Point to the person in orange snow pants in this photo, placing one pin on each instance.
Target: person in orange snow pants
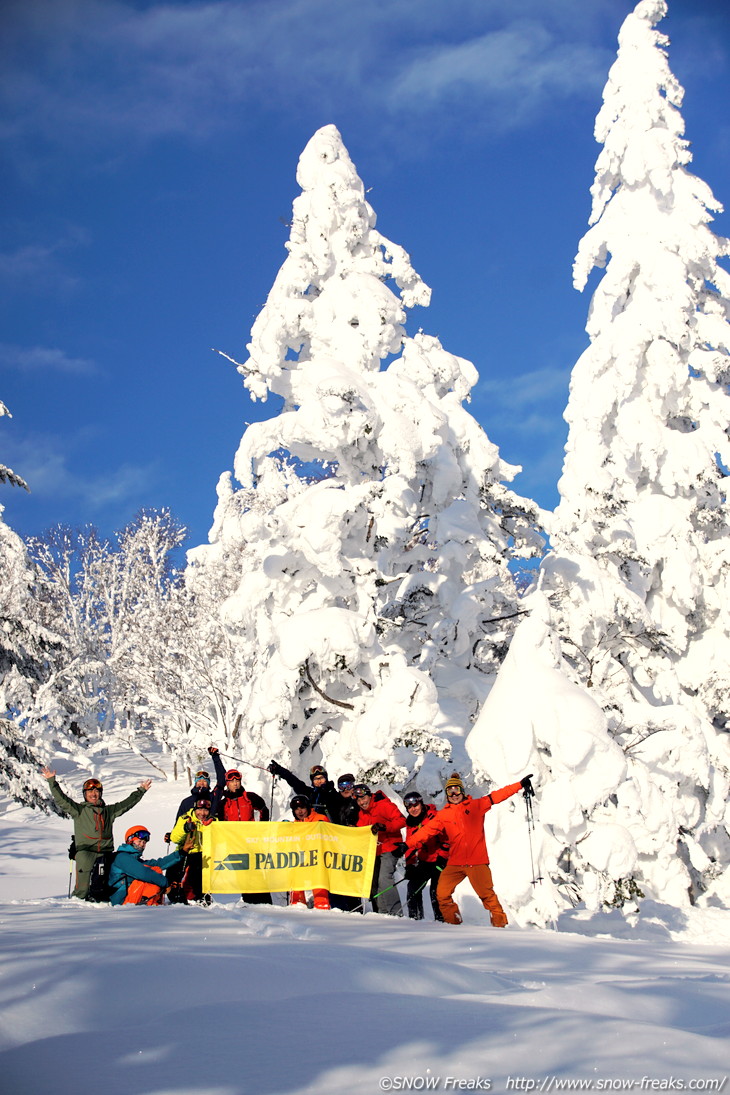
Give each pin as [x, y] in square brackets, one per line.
[461, 823]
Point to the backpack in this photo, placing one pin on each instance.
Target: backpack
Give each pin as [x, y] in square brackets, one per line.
[99, 878]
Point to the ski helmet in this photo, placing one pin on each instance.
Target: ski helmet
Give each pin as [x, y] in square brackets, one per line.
[412, 799]
[137, 830]
[202, 802]
[92, 785]
[300, 800]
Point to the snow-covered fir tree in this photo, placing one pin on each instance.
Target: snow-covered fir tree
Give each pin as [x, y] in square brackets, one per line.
[366, 550]
[25, 650]
[635, 761]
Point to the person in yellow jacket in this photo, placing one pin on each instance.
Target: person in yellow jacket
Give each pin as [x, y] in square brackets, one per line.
[192, 824]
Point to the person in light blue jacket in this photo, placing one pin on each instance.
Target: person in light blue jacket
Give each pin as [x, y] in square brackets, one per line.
[128, 868]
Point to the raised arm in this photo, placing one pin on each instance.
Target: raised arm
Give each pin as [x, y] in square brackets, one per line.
[297, 785]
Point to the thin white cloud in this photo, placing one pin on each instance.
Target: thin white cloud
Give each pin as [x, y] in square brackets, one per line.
[523, 64]
[35, 266]
[525, 390]
[110, 70]
[43, 359]
[44, 464]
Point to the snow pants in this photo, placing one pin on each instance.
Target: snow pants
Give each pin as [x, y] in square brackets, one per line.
[321, 898]
[418, 876]
[144, 893]
[345, 902]
[480, 877]
[383, 879]
[85, 861]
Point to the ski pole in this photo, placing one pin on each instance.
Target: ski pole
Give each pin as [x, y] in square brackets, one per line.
[425, 882]
[240, 761]
[529, 794]
[273, 785]
[375, 896]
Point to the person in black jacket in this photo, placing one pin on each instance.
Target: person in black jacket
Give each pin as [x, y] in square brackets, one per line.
[321, 794]
[201, 789]
[425, 866]
[338, 804]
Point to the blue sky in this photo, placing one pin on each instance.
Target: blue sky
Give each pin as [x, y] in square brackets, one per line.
[148, 170]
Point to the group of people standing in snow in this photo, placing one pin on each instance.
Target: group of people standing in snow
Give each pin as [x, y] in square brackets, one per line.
[441, 847]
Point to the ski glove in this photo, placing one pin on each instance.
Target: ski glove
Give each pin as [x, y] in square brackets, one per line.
[213, 749]
[378, 827]
[400, 849]
[274, 768]
[526, 784]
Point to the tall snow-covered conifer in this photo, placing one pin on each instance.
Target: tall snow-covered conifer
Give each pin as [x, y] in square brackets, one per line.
[24, 651]
[372, 530]
[636, 771]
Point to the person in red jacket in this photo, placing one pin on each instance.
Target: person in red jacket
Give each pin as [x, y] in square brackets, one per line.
[424, 867]
[461, 822]
[386, 820]
[301, 807]
[237, 804]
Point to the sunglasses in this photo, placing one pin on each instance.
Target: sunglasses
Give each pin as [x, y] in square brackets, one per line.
[141, 835]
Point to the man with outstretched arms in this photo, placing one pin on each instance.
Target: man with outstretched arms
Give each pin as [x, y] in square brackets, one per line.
[461, 823]
[93, 820]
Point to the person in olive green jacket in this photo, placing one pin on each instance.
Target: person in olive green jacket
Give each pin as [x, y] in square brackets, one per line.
[92, 823]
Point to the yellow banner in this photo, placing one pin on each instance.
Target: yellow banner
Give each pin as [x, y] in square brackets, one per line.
[273, 857]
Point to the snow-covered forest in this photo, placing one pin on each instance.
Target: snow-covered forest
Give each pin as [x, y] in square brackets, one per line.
[376, 596]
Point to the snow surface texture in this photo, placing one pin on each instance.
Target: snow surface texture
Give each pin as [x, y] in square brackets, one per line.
[276, 1001]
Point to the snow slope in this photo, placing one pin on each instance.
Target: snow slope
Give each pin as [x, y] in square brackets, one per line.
[238, 999]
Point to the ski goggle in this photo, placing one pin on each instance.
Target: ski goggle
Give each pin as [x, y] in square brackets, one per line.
[141, 834]
[413, 799]
[346, 786]
[92, 785]
[202, 775]
[454, 790]
[361, 790]
[233, 774]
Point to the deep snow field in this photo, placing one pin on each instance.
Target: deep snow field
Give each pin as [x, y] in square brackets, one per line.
[232, 999]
